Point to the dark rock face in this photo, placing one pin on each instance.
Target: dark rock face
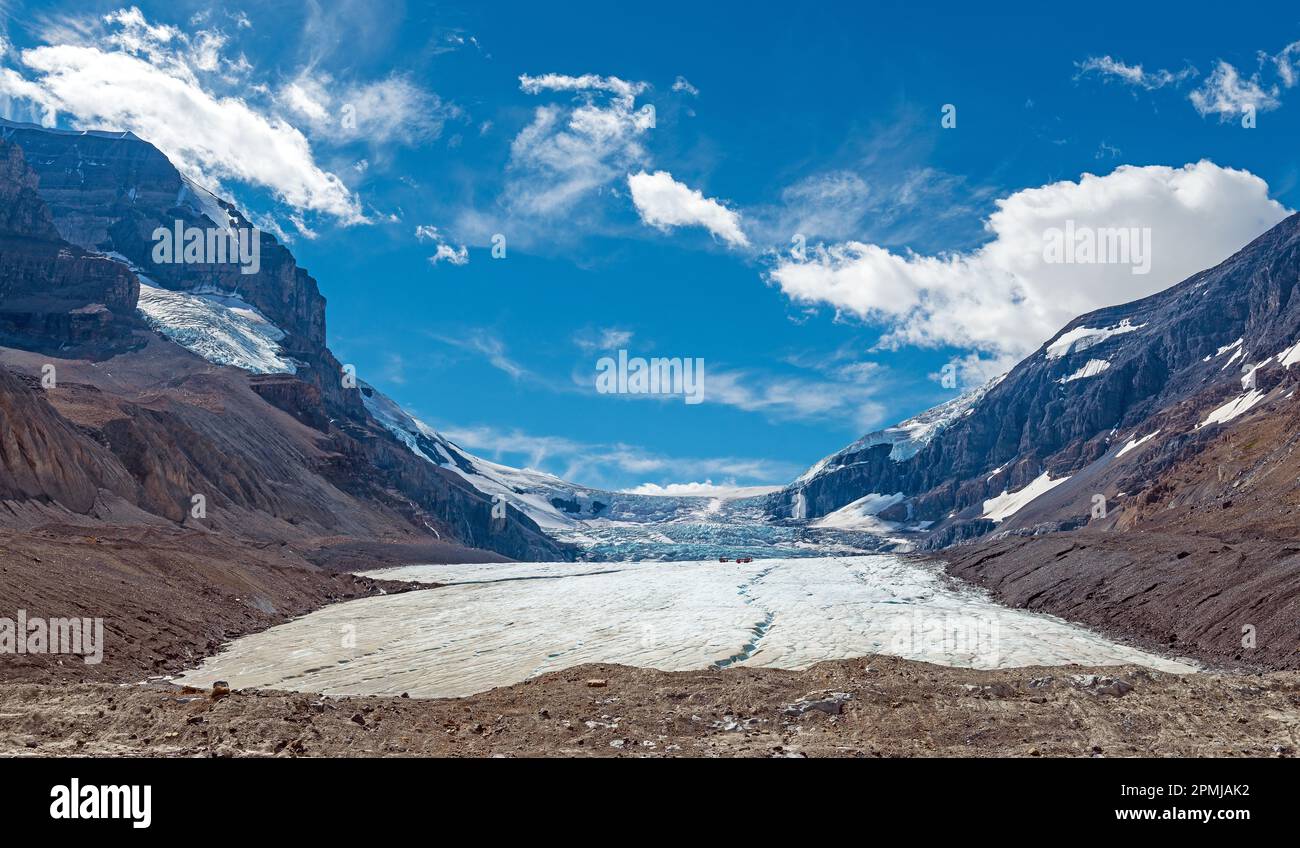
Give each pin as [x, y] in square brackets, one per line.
[55, 296]
[22, 211]
[137, 444]
[299, 399]
[1170, 358]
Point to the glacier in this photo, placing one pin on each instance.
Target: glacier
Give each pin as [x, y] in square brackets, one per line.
[625, 526]
[221, 328]
[497, 624]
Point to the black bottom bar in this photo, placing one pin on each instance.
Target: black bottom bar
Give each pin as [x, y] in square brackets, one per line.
[230, 798]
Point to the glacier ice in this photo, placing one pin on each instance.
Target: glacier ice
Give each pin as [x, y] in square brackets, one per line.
[221, 328]
[497, 624]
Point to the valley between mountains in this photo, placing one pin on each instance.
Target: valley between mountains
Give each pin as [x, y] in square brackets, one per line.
[182, 455]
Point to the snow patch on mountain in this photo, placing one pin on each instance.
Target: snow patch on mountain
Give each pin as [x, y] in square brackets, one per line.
[1221, 351]
[203, 202]
[861, 514]
[1082, 338]
[1009, 503]
[1232, 409]
[1091, 369]
[217, 325]
[1135, 443]
[1290, 356]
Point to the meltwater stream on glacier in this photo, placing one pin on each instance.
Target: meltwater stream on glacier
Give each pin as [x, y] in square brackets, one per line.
[496, 624]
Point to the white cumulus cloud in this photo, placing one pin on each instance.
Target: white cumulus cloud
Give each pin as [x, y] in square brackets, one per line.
[665, 203]
[1005, 298]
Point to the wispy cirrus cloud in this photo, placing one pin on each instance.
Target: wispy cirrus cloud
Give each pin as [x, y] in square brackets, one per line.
[1110, 69]
[566, 164]
[604, 339]
[701, 489]
[607, 465]
[1284, 63]
[488, 346]
[571, 150]
[852, 397]
[1229, 95]
[390, 110]
[880, 189]
[443, 251]
[839, 389]
[1226, 92]
[842, 388]
[683, 85]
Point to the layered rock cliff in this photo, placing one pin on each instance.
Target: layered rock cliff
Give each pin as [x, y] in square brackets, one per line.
[55, 296]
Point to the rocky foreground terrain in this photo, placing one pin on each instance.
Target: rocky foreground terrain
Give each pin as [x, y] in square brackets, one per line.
[873, 707]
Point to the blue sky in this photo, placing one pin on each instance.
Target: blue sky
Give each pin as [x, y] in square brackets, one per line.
[378, 138]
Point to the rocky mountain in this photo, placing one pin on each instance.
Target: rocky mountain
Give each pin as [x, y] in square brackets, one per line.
[109, 192]
[190, 394]
[1089, 428]
[54, 295]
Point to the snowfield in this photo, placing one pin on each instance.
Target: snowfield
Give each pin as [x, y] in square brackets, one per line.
[1135, 443]
[1082, 338]
[861, 514]
[1091, 369]
[494, 625]
[1008, 504]
[1233, 408]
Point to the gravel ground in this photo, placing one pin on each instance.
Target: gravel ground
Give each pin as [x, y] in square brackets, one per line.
[872, 707]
